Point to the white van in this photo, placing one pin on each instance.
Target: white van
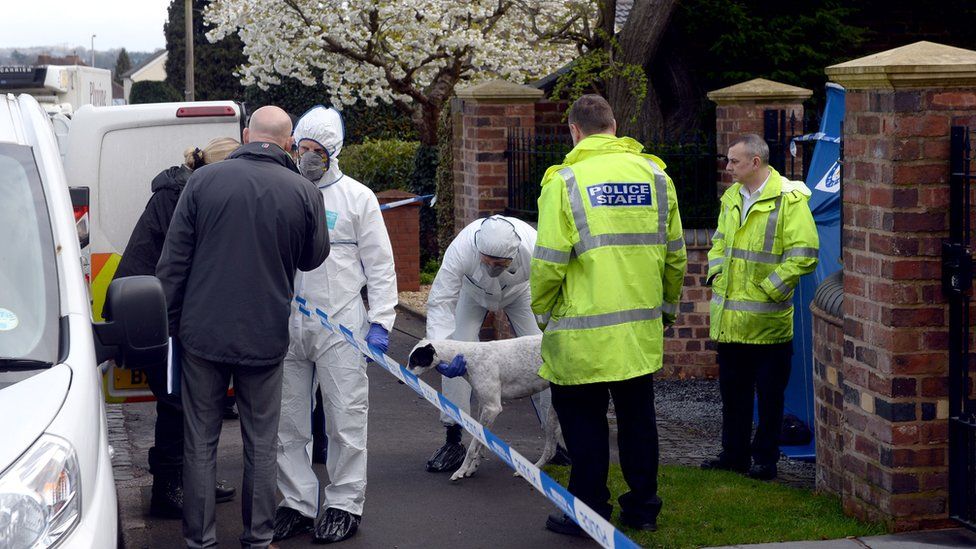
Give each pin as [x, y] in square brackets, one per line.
[56, 483]
[112, 154]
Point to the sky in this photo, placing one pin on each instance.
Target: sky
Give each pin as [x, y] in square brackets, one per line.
[136, 25]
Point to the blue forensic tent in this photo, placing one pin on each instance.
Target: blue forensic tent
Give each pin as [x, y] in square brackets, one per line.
[824, 181]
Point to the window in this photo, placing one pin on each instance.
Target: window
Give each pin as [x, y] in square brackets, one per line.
[29, 306]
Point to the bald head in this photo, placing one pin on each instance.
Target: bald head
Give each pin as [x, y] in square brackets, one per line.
[269, 124]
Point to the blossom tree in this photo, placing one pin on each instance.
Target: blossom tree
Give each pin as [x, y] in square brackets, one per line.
[411, 53]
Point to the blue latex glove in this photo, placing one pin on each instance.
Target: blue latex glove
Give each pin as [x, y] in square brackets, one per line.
[457, 367]
[378, 337]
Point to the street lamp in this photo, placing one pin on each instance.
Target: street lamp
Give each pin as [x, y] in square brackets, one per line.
[93, 50]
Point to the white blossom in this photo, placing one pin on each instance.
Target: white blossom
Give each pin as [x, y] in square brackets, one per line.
[399, 51]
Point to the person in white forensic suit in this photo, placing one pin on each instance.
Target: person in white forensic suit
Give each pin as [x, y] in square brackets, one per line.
[361, 256]
[485, 268]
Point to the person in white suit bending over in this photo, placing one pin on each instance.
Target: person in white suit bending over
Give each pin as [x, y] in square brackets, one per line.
[485, 268]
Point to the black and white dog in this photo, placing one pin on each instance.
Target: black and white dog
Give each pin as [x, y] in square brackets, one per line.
[497, 370]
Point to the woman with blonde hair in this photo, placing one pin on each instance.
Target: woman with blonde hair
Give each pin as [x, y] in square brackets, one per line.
[140, 258]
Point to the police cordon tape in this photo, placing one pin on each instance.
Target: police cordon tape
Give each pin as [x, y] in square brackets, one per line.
[405, 201]
[819, 136]
[596, 526]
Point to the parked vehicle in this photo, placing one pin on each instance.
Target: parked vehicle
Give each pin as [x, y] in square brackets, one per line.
[56, 482]
[112, 154]
[60, 89]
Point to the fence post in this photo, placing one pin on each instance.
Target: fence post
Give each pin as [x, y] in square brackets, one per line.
[487, 110]
[740, 109]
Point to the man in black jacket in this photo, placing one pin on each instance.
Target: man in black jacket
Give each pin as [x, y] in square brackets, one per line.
[241, 229]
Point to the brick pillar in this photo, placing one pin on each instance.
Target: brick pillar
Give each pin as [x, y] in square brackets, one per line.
[403, 224]
[688, 351]
[740, 109]
[900, 106]
[487, 111]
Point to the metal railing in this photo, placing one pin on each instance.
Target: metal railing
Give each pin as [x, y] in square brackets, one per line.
[691, 163]
[957, 286]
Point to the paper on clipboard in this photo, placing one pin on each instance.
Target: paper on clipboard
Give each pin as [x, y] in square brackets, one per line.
[174, 367]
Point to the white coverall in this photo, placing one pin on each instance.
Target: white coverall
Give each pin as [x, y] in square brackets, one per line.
[463, 293]
[361, 256]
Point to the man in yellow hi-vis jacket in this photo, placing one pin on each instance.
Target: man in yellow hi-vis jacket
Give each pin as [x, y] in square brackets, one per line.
[765, 241]
[606, 277]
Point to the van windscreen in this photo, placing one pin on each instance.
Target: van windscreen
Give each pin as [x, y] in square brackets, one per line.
[29, 299]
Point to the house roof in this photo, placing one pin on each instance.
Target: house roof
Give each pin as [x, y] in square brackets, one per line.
[145, 62]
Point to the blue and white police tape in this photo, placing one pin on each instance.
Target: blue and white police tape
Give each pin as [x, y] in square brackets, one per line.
[596, 526]
[819, 136]
[405, 201]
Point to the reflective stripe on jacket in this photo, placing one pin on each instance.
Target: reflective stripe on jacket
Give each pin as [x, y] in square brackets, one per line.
[754, 265]
[609, 262]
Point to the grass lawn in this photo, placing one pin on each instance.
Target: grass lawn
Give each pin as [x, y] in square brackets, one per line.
[707, 508]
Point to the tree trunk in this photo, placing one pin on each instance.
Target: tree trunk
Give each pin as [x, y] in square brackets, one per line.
[424, 118]
[639, 41]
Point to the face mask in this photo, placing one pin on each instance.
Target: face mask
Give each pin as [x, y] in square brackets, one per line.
[494, 271]
[312, 166]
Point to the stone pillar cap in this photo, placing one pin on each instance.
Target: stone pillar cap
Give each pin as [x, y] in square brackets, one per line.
[501, 91]
[760, 90]
[918, 65]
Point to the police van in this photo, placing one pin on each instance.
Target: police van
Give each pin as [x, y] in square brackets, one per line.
[56, 482]
[111, 155]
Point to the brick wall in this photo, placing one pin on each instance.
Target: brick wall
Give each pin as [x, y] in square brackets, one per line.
[486, 112]
[735, 120]
[403, 225]
[828, 383]
[688, 351]
[895, 347]
[550, 116]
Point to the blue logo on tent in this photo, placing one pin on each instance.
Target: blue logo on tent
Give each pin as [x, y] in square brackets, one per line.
[830, 182]
[619, 194]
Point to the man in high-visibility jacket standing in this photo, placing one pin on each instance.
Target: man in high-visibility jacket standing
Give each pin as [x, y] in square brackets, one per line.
[606, 277]
[765, 241]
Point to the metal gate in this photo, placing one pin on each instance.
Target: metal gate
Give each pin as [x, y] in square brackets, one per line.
[957, 285]
[779, 131]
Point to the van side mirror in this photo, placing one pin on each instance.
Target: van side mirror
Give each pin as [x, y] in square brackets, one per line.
[136, 330]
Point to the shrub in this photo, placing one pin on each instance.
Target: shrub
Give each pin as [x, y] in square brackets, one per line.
[380, 164]
[429, 271]
[150, 91]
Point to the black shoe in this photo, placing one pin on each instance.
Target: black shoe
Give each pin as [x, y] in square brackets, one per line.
[639, 523]
[719, 464]
[290, 523]
[224, 493]
[561, 457]
[762, 472]
[167, 497]
[561, 523]
[447, 458]
[335, 526]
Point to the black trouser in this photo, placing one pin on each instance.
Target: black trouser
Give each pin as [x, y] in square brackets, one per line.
[166, 455]
[582, 411]
[258, 389]
[746, 370]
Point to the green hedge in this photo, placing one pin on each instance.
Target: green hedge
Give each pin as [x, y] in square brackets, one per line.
[380, 164]
[149, 91]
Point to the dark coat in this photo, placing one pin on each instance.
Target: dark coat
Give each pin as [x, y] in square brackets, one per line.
[146, 243]
[241, 229]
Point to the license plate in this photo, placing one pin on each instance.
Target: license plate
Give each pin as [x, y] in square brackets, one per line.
[129, 379]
